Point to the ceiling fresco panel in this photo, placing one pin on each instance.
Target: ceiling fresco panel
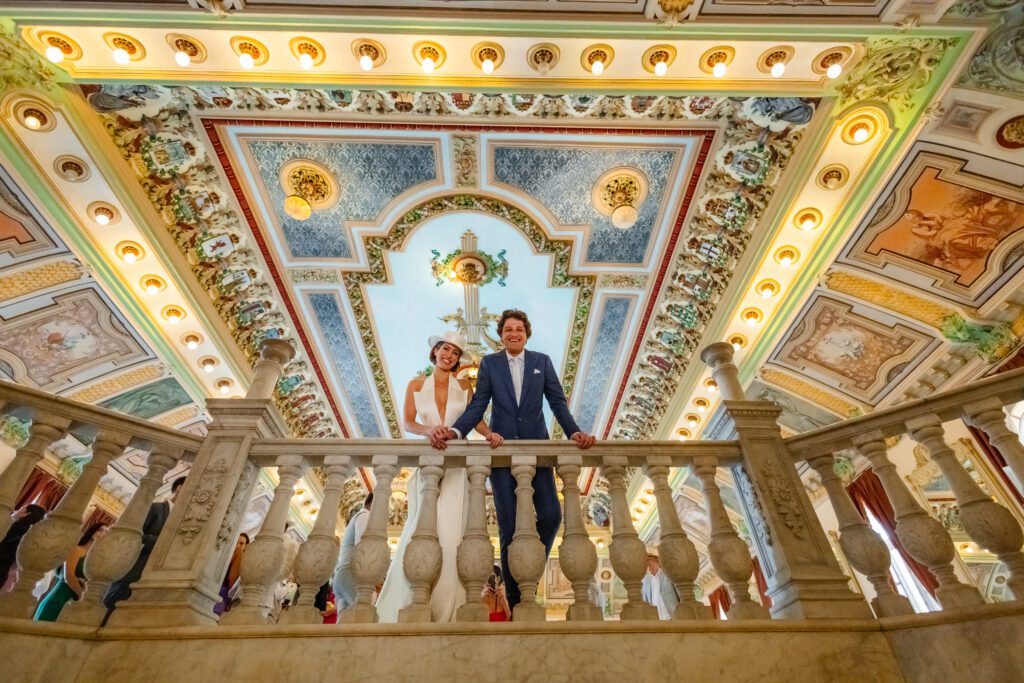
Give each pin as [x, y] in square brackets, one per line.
[23, 233]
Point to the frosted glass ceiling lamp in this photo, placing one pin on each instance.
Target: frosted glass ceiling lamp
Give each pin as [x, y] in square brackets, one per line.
[306, 61]
[597, 58]
[597, 67]
[778, 69]
[55, 54]
[192, 341]
[834, 71]
[121, 56]
[297, 207]
[246, 61]
[719, 70]
[660, 69]
[487, 66]
[366, 62]
[428, 65]
[182, 58]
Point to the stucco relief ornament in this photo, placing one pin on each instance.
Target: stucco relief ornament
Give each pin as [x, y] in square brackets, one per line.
[22, 66]
[746, 489]
[673, 11]
[894, 71]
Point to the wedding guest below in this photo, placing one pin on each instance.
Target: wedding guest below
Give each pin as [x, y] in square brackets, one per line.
[228, 590]
[70, 577]
[494, 597]
[21, 521]
[324, 601]
[656, 587]
[151, 528]
[344, 581]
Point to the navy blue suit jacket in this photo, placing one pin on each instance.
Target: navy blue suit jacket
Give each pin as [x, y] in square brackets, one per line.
[523, 421]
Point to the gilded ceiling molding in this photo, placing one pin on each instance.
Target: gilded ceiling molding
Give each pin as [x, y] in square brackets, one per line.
[377, 248]
[21, 66]
[810, 392]
[118, 384]
[40, 277]
[997, 65]
[894, 70]
[178, 415]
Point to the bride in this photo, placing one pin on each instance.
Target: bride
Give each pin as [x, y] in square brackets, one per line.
[426, 400]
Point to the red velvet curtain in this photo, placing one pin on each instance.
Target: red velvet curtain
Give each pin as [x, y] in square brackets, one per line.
[43, 489]
[868, 494]
[721, 601]
[98, 515]
[762, 584]
[998, 463]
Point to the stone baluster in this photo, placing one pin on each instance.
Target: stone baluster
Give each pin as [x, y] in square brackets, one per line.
[275, 354]
[988, 416]
[422, 561]
[577, 555]
[319, 554]
[627, 552]
[526, 553]
[372, 555]
[866, 551]
[114, 554]
[45, 430]
[261, 563]
[718, 357]
[678, 555]
[923, 536]
[988, 523]
[50, 541]
[475, 556]
[729, 555]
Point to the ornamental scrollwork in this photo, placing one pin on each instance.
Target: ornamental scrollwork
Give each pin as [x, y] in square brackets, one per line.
[893, 71]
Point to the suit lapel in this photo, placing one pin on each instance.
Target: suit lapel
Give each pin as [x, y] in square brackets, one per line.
[529, 366]
[505, 372]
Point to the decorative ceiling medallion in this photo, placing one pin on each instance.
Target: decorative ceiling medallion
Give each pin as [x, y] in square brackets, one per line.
[862, 126]
[597, 53]
[834, 55]
[618, 194]
[71, 168]
[34, 115]
[484, 52]
[780, 54]
[195, 50]
[122, 41]
[659, 54]
[833, 177]
[365, 47]
[807, 219]
[723, 54]
[786, 256]
[103, 213]
[243, 45]
[310, 181]
[307, 46]
[426, 49]
[129, 252]
[543, 57]
[1011, 134]
[68, 47]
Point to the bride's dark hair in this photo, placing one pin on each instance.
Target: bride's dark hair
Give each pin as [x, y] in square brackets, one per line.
[433, 355]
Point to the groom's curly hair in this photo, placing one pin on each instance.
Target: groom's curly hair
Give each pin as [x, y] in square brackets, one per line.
[514, 314]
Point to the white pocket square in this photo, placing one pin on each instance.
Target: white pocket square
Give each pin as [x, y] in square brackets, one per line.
[536, 371]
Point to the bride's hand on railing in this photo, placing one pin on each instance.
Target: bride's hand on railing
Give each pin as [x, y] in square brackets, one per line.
[439, 437]
[495, 439]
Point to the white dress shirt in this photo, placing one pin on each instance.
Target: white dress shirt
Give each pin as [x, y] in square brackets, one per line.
[517, 367]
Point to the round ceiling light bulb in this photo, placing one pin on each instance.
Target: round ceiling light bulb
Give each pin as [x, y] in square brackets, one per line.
[55, 54]
[711, 385]
[778, 68]
[661, 68]
[625, 216]
[719, 69]
[834, 71]
[297, 207]
[121, 56]
[488, 66]
[192, 343]
[597, 67]
[701, 408]
[246, 61]
[428, 65]
[306, 60]
[861, 133]
[366, 62]
[736, 346]
[173, 316]
[152, 287]
[129, 256]
[691, 423]
[752, 321]
[32, 122]
[102, 218]
[182, 59]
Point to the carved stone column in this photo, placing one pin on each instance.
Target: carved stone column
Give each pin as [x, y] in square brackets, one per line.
[989, 524]
[372, 556]
[678, 555]
[181, 582]
[45, 430]
[475, 557]
[718, 357]
[114, 554]
[261, 563]
[526, 553]
[867, 552]
[275, 354]
[728, 553]
[50, 541]
[988, 416]
[923, 536]
[627, 552]
[577, 555]
[319, 554]
[422, 561]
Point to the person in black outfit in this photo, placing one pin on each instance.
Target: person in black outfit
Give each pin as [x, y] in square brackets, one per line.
[22, 521]
[151, 528]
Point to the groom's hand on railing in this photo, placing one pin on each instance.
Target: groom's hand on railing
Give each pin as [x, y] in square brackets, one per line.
[439, 437]
[583, 440]
[495, 439]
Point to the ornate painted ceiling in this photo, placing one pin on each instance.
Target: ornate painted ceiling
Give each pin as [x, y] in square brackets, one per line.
[857, 239]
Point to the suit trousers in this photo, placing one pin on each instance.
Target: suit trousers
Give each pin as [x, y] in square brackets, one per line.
[549, 516]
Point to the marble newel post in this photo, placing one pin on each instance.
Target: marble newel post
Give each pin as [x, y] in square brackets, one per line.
[577, 555]
[114, 554]
[319, 554]
[526, 552]
[803, 576]
[50, 541]
[627, 551]
[182, 579]
[45, 430]
[475, 556]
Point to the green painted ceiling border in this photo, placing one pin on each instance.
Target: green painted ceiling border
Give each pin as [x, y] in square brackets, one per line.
[100, 268]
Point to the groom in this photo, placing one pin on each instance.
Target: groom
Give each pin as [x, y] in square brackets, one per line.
[516, 381]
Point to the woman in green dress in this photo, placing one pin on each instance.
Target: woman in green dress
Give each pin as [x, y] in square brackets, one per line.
[70, 577]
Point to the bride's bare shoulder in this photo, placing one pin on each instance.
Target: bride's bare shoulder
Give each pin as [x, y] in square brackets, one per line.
[416, 383]
[464, 384]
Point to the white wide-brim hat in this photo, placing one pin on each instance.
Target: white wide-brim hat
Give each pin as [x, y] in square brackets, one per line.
[451, 337]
